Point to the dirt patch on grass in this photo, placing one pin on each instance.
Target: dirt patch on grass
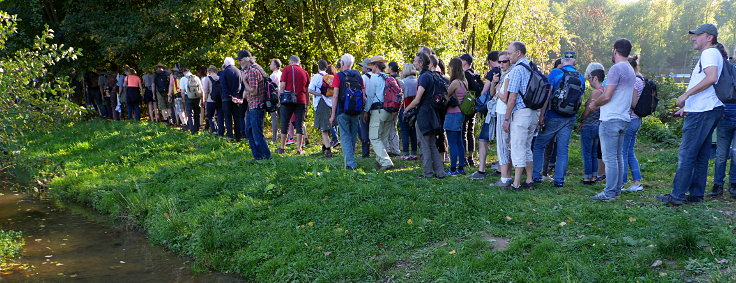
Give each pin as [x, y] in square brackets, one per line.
[498, 243]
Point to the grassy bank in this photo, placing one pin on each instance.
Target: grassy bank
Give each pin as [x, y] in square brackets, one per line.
[305, 218]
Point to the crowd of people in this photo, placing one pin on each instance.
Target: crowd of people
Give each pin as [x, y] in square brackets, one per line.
[426, 110]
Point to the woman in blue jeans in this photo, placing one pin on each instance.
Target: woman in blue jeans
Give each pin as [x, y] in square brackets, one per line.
[454, 118]
[588, 128]
[631, 132]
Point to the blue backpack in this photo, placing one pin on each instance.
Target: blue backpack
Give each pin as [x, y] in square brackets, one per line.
[480, 103]
[351, 90]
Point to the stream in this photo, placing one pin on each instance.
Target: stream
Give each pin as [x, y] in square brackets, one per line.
[70, 243]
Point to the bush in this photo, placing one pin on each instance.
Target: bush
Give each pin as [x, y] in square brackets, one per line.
[11, 243]
[656, 132]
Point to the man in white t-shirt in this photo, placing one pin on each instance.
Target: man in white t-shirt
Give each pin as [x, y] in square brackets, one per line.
[704, 110]
[615, 104]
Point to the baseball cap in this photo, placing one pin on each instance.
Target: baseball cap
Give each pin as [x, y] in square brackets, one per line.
[706, 28]
[365, 62]
[467, 58]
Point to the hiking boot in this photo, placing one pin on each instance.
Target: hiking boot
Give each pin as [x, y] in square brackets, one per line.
[478, 175]
[591, 182]
[669, 200]
[717, 191]
[693, 199]
[328, 153]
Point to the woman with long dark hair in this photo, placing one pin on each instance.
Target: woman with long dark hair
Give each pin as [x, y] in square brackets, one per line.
[454, 118]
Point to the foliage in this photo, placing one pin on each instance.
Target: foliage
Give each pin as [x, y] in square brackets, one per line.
[31, 99]
[203, 32]
[11, 244]
[305, 218]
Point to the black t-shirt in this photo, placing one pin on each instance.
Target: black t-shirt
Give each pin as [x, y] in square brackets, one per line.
[426, 80]
[473, 84]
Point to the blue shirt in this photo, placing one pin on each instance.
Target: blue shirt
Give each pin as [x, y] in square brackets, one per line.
[518, 82]
[555, 78]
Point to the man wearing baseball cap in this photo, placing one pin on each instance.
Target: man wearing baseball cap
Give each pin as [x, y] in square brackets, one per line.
[704, 110]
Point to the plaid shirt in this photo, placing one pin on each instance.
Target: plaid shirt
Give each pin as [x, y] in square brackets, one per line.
[518, 82]
[254, 79]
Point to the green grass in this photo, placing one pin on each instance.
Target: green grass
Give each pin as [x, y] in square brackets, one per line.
[305, 218]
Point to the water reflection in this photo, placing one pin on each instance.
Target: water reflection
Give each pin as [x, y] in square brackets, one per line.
[70, 244]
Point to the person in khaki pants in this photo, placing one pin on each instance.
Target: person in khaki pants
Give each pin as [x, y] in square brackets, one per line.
[379, 126]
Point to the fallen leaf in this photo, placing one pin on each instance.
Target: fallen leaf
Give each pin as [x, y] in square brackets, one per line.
[508, 218]
[663, 274]
[48, 256]
[656, 263]
[632, 219]
[73, 275]
[327, 253]
[452, 252]
[310, 223]
[409, 221]
[563, 223]
[122, 261]
[38, 240]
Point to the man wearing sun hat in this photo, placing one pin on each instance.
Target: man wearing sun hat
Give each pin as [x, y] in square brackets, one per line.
[380, 119]
[558, 125]
[704, 110]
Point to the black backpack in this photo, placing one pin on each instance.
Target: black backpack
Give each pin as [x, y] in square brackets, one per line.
[475, 82]
[271, 103]
[538, 89]
[648, 100]
[568, 97]
[216, 93]
[439, 96]
[725, 87]
[351, 92]
[162, 82]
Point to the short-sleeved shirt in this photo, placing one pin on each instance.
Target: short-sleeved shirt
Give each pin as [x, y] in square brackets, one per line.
[341, 89]
[315, 85]
[133, 80]
[705, 100]
[519, 81]
[492, 72]
[254, 76]
[639, 88]
[375, 89]
[297, 84]
[410, 86]
[555, 79]
[148, 80]
[276, 76]
[426, 80]
[622, 76]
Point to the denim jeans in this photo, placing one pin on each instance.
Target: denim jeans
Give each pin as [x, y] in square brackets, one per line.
[612, 133]
[692, 159]
[561, 129]
[724, 147]
[589, 147]
[233, 119]
[408, 136]
[193, 109]
[349, 128]
[630, 160]
[214, 117]
[457, 148]
[254, 133]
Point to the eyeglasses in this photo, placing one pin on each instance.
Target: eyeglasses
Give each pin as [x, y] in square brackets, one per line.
[504, 61]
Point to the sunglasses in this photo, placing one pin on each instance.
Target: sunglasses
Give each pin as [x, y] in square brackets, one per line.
[504, 61]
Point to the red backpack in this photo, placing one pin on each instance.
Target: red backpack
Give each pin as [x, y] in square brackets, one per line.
[392, 95]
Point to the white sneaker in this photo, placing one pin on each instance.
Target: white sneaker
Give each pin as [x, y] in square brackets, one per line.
[635, 188]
